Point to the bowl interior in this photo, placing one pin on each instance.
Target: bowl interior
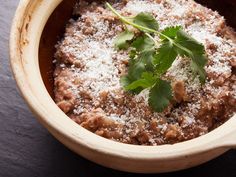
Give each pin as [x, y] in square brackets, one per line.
[51, 34]
[54, 31]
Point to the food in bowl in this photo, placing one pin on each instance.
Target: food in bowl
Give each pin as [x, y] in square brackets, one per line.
[89, 68]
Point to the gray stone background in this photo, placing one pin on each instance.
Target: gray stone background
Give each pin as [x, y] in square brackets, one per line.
[28, 150]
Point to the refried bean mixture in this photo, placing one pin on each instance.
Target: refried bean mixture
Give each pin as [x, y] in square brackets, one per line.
[89, 68]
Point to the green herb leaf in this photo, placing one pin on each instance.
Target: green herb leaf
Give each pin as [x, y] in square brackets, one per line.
[160, 95]
[143, 43]
[146, 20]
[186, 41]
[164, 58]
[147, 80]
[135, 70]
[149, 60]
[126, 81]
[137, 66]
[121, 41]
[140, 64]
[197, 64]
[189, 47]
[132, 54]
[171, 32]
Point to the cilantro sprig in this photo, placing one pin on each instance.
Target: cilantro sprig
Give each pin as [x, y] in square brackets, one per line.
[150, 58]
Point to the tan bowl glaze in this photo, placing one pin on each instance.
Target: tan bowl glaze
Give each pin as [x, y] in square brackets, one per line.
[29, 22]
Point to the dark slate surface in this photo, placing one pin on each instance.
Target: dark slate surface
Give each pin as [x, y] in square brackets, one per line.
[28, 150]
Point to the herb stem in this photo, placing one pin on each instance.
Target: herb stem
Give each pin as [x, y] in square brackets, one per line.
[142, 28]
[184, 49]
[152, 38]
[124, 19]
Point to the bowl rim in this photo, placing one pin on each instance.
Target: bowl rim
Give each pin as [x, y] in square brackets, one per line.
[28, 87]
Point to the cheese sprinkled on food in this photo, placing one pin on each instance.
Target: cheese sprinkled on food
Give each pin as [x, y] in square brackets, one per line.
[89, 68]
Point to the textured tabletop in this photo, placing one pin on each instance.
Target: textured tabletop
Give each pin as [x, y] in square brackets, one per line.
[28, 150]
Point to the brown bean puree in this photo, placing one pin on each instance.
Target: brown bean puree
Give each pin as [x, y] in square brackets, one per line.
[88, 71]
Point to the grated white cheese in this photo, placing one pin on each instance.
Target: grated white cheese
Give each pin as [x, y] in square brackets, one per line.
[101, 62]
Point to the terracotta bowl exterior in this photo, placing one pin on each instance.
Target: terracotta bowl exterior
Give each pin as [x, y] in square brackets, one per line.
[31, 53]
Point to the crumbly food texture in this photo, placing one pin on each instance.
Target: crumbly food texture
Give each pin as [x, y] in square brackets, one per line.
[88, 70]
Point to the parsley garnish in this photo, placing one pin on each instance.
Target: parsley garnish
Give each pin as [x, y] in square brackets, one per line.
[151, 58]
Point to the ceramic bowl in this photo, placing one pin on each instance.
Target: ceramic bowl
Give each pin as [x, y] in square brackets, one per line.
[31, 52]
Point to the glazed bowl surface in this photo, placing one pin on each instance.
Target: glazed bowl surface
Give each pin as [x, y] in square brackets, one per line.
[35, 30]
